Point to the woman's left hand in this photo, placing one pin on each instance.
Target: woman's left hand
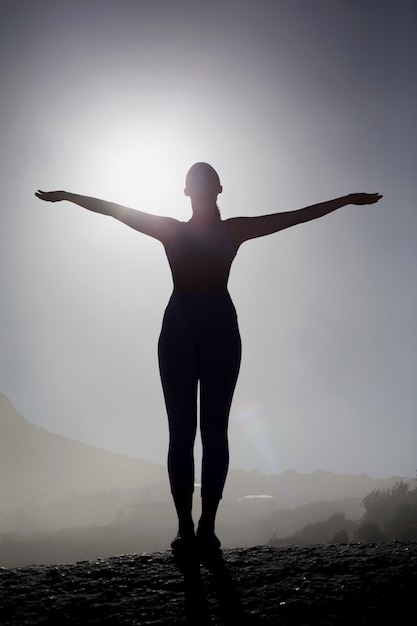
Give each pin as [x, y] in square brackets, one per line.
[364, 198]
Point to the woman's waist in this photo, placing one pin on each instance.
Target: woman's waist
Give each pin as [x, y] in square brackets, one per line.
[200, 311]
[202, 299]
[201, 286]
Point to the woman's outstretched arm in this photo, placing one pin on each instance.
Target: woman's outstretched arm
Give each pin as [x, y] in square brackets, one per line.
[147, 223]
[244, 228]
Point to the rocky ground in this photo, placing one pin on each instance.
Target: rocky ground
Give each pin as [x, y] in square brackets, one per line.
[319, 584]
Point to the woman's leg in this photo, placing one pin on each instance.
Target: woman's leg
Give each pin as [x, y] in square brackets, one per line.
[178, 369]
[219, 368]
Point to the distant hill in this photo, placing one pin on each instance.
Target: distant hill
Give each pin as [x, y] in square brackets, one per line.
[292, 489]
[36, 464]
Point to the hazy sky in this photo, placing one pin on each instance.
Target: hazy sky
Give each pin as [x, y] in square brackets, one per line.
[293, 102]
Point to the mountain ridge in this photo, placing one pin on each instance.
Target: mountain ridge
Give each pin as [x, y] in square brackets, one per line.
[35, 462]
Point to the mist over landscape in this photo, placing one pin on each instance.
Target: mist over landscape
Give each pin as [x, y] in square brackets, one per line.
[64, 501]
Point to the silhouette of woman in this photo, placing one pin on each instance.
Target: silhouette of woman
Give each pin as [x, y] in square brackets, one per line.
[199, 341]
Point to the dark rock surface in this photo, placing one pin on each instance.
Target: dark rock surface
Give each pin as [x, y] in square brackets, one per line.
[320, 584]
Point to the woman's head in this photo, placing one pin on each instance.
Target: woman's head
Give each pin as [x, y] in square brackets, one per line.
[202, 182]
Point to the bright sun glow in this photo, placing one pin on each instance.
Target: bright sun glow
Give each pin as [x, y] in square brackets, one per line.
[143, 167]
[151, 175]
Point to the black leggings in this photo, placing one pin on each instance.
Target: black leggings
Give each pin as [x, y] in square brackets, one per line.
[199, 342]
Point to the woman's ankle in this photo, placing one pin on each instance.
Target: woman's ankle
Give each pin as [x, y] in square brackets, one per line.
[206, 526]
[185, 527]
[209, 506]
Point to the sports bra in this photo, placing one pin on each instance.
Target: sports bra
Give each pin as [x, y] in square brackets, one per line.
[200, 256]
[213, 240]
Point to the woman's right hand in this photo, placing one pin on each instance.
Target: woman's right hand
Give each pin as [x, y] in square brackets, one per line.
[364, 198]
[51, 196]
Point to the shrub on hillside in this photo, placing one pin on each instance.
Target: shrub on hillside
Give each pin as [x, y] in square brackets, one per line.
[390, 514]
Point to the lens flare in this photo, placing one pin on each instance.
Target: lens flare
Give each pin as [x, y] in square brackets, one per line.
[255, 429]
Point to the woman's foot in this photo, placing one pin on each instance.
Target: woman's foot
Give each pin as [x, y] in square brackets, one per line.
[207, 539]
[184, 541]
